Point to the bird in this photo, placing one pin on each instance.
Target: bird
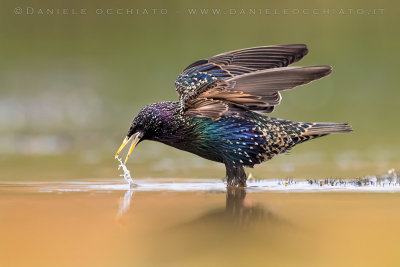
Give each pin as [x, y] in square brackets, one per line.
[223, 107]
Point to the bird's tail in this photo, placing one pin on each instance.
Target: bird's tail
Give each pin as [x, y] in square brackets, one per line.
[320, 129]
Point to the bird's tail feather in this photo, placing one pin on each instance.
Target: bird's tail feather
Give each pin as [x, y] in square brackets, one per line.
[316, 129]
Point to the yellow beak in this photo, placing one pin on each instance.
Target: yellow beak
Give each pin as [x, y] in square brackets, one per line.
[136, 138]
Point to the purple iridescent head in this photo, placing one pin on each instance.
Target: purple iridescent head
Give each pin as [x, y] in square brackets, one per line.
[150, 123]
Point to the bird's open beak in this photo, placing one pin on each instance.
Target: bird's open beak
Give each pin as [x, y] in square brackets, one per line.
[136, 138]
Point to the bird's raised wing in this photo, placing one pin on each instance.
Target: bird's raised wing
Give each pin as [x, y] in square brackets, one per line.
[234, 63]
[256, 91]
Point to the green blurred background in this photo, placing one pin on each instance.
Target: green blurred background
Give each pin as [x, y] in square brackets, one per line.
[70, 84]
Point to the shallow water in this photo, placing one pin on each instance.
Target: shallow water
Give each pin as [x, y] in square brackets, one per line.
[167, 222]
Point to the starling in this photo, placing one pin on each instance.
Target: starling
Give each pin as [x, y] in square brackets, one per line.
[222, 99]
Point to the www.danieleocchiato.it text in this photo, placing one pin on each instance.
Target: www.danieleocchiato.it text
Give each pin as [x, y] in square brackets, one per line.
[285, 11]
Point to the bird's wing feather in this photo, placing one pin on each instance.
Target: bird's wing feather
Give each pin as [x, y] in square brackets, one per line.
[234, 63]
[264, 57]
[211, 108]
[256, 91]
[260, 91]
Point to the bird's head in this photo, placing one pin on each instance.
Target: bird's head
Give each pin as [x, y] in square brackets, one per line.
[146, 125]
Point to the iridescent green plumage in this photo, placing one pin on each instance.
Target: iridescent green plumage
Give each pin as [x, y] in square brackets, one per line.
[216, 119]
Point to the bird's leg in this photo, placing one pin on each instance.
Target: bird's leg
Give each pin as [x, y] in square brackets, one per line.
[235, 175]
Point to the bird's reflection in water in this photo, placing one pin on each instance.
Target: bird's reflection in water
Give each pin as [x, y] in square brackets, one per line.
[237, 210]
[240, 225]
[241, 212]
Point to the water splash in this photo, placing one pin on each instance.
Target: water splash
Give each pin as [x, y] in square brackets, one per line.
[125, 202]
[127, 173]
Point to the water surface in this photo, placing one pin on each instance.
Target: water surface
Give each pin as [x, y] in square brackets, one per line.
[167, 222]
